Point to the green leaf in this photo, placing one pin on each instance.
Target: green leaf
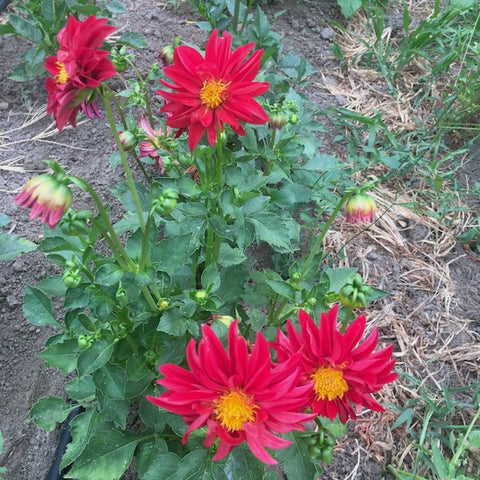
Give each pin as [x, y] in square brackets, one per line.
[173, 323]
[81, 389]
[95, 357]
[110, 380]
[271, 229]
[52, 286]
[241, 464]
[116, 7]
[12, 246]
[107, 456]
[114, 410]
[25, 29]
[133, 39]
[147, 453]
[441, 465]
[172, 254]
[338, 277]
[211, 278]
[152, 416]
[49, 411]
[229, 256]
[163, 467]
[349, 7]
[474, 439]
[48, 10]
[37, 307]
[108, 274]
[63, 355]
[282, 288]
[81, 429]
[296, 461]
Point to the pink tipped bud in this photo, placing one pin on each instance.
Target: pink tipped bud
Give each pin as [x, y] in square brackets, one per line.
[360, 208]
[47, 197]
[166, 56]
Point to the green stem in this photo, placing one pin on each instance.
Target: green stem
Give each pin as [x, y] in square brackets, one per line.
[126, 167]
[145, 91]
[236, 12]
[346, 320]
[132, 344]
[316, 247]
[244, 22]
[112, 237]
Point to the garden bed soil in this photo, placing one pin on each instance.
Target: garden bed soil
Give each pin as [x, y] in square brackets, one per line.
[416, 316]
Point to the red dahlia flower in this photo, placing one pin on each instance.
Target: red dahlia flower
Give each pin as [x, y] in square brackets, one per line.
[212, 90]
[340, 371]
[239, 397]
[78, 68]
[48, 198]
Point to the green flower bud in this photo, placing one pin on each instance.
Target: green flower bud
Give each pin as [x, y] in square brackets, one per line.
[163, 304]
[293, 120]
[315, 452]
[200, 296]
[312, 301]
[277, 121]
[84, 342]
[121, 297]
[72, 278]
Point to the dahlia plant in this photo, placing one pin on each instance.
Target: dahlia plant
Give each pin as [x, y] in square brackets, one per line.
[171, 331]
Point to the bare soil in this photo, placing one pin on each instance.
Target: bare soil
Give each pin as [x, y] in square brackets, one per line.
[27, 137]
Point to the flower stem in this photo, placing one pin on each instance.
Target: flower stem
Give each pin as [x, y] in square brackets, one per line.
[126, 167]
[112, 238]
[316, 247]
[346, 320]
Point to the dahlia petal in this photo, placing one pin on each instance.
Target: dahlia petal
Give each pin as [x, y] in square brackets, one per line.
[195, 133]
[257, 448]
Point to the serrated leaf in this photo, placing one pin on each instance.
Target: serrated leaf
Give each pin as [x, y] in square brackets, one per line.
[49, 411]
[295, 459]
[133, 39]
[108, 274]
[107, 456]
[116, 7]
[349, 7]
[52, 286]
[48, 10]
[81, 429]
[229, 256]
[282, 288]
[81, 389]
[241, 464]
[163, 467]
[63, 355]
[110, 380]
[37, 307]
[173, 323]
[25, 29]
[95, 357]
[12, 246]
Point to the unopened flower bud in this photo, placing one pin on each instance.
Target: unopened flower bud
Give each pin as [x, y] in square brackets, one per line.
[72, 278]
[277, 121]
[48, 196]
[293, 120]
[360, 208]
[128, 140]
[225, 319]
[166, 55]
[200, 296]
[163, 304]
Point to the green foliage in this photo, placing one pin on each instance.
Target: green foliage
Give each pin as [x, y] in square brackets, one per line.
[180, 254]
[442, 444]
[3, 470]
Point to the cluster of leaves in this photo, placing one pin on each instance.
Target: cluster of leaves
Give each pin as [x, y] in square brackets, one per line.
[445, 449]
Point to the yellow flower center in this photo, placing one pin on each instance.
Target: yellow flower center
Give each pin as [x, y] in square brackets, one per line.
[329, 383]
[62, 76]
[234, 408]
[214, 92]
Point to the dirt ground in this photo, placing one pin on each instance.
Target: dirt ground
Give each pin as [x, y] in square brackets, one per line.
[427, 309]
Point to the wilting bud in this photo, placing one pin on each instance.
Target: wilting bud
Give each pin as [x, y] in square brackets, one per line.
[277, 121]
[48, 197]
[360, 208]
